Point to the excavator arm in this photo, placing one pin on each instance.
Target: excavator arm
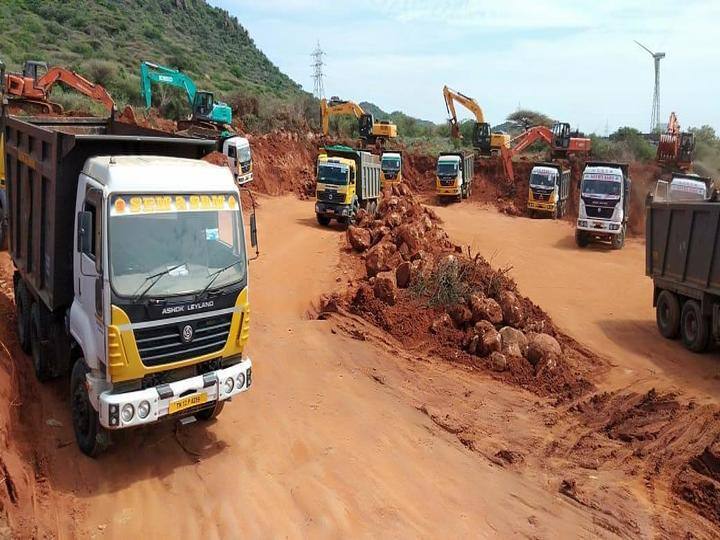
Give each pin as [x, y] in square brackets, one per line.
[338, 107]
[77, 82]
[451, 96]
[520, 143]
[153, 73]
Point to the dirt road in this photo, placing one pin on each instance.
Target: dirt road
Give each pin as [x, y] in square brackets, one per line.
[318, 447]
[599, 296]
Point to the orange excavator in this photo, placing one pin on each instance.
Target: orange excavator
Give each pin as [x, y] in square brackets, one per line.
[561, 141]
[32, 87]
[676, 149]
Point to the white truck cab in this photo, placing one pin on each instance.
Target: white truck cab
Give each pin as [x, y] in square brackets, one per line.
[604, 204]
[237, 150]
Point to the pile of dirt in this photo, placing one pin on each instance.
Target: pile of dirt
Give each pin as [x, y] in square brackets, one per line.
[429, 294]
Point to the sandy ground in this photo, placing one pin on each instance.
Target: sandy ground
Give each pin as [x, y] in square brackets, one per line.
[599, 296]
[335, 438]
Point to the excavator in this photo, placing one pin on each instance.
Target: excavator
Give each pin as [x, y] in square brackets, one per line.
[676, 149]
[32, 87]
[565, 142]
[371, 132]
[485, 142]
[207, 113]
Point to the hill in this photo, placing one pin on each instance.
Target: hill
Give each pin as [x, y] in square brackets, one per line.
[106, 40]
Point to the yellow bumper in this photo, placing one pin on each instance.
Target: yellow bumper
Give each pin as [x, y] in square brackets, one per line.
[544, 206]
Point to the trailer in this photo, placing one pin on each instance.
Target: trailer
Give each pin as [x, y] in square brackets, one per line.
[682, 256]
[130, 271]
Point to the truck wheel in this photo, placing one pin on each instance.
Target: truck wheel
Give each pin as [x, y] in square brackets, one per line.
[41, 359]
[694, 327]
[22, 315]
[211, 412]
[91, 437]
[323, 220]
[581, 239]
[618, 240]
[667, 314]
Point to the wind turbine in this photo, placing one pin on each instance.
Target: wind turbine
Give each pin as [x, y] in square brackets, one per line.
[655, 115]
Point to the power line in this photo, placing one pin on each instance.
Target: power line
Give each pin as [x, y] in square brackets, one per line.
[318, 75]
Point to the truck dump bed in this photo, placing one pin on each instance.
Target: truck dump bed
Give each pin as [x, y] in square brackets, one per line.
[44, 158]
[682, 246]
[368, 169]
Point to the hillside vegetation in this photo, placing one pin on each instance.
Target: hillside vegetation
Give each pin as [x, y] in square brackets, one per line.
[106, 40]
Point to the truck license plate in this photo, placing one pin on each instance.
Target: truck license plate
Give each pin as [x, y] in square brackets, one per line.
[187, 402]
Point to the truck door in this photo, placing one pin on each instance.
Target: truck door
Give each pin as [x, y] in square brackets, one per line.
[90, 278]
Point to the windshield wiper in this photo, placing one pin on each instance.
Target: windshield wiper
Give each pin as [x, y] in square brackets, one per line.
[215, 275]
[155, 278]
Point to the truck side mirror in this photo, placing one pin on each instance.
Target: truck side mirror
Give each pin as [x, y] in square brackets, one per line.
[85, 239]
[253, 231]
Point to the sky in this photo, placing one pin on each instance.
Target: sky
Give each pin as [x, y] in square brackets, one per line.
[575, 61]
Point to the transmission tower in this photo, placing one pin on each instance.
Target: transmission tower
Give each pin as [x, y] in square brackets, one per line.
[655, 115]
[318, 75]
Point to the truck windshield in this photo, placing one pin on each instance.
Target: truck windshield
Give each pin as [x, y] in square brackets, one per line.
[390, 164]
[608, 186]
[333, 173]
[191, 237]
[447, 168]
[244, 154]
[543, 179]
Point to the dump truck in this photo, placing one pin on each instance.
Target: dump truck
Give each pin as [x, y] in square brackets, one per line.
[454, 175]
[391, 168]
[682, 246]
[605, 190]
[348, 179]
[131, 271]
[549, 189]
[239, 156]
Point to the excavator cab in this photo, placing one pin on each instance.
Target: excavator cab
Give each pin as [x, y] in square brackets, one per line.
[34, 69]
[203, 105]
[481, 138]
[686, 153]
[561, 136]
[365, 126]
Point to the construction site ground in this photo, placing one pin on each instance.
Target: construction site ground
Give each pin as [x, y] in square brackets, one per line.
[350, 431]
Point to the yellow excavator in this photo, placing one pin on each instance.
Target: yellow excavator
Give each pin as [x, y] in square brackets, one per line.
[371, 132]
[485, 142]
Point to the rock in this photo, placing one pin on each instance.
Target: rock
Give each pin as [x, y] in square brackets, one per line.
[403, 275]
[485, 309]
[444, 321]
[379, 233]
[460, 314]
[393, 219]
[426, 223]
[541, 348]
[378, 258]
[330, 304]
[362, 217]
[490, 342]
[511, 308]
[514, 342]
[408, 234]
[497, 361]
[473, 344]
[359, 238]
[53, 423]
[483, 326]
[385, 290]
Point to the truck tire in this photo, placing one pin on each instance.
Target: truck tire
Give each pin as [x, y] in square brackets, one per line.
[694, 327]
[22, 315]
[211, 412]
[618, 240]
[323, 220]
[667, 314]
[42, 359]
[581, 239]
[91, 437]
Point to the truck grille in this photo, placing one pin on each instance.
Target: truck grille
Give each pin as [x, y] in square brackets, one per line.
[245, 167]
[540, 196]
[330, 196]
[601, 212]
[447, 182]
[164, 344]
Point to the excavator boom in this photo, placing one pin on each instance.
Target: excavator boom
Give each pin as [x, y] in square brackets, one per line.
[370, 131]
[77, 82]
[676, 149]
[484, 141]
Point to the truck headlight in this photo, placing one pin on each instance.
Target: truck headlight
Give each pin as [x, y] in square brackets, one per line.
[614, 227]
[229, 385]
[143, 410]
[127, 412]
[240, 381]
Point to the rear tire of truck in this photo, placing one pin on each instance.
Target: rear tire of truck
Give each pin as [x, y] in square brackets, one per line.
[667, 314]
[91, 437]
[581, 239]
[694, 327]
[22, 315]
[40, 354]
[323, 220]
[210, 413]
[618, 240]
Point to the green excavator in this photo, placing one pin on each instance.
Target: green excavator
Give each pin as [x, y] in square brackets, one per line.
[206, 111]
